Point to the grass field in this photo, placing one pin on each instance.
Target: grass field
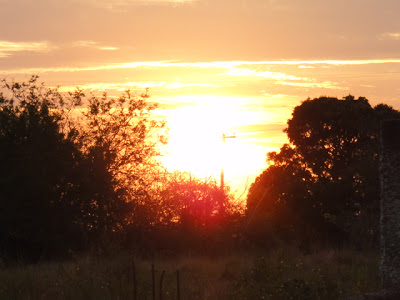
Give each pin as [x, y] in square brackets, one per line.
[284, 273]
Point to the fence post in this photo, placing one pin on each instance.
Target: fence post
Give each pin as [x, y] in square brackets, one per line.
[134, 281]
[178, 287]
[153, 282]
[161, 282]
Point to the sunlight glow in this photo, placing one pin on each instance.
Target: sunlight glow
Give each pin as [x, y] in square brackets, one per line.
[211, 64]
[195, 144]
[133, 85]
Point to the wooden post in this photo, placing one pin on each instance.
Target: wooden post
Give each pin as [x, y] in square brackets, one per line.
[224, 137]
[178, 288]
[161, 282]
[134, 281]
[153, 282]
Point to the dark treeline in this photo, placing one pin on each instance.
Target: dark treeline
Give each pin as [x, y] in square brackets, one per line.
[79, 173]
[324, 186]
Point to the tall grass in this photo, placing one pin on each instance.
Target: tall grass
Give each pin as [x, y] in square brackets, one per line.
[284, 273]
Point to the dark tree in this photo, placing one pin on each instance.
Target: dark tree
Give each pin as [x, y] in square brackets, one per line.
[38, 171]
[327, 179]
[73, 168]
[190, 208]
[199, 205]
[279, 198]
[119, 142]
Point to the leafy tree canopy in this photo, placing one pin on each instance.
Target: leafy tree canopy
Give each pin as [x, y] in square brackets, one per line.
[80, 171]
[73, 167]
[326, 180]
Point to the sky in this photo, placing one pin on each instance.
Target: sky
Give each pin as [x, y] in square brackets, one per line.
[235, 67]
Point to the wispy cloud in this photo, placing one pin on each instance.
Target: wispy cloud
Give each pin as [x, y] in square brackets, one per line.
[121, 5]
[89, 68]
[122, 86]
[93, 44]
[327, 62]
[303, 63]
[314, 84]
[284, 79]
[7, 47]
[230, 64]
[215, 64]
[390, 36]
[161, 1]
[264, 74]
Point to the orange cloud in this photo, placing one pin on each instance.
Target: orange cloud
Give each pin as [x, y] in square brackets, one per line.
[390, 36]
[213, 64]
[7, 47]
[93, 44]
[122, 86]
[265, 74]
[120, 5]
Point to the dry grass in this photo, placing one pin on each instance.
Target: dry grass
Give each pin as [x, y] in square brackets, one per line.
[284, 273]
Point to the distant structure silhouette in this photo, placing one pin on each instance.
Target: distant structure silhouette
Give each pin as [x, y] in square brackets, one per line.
[390, 213]
[224, 137]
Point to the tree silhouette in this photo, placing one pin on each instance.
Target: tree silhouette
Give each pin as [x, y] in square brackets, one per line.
[72, 167]
[326, 180]
[187, 213]
[37, 170]
[119, 142]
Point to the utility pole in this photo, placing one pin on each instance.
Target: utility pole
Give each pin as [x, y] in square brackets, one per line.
[224, 137]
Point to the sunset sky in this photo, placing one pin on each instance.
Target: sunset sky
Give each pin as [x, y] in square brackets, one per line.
[215, 66]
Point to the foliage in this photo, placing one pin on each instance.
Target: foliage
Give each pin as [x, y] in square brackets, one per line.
[198, 203]
[119, 141]
[185, 213]
[81, 171]
[73, 167]
[325, 183]
[37, 169]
